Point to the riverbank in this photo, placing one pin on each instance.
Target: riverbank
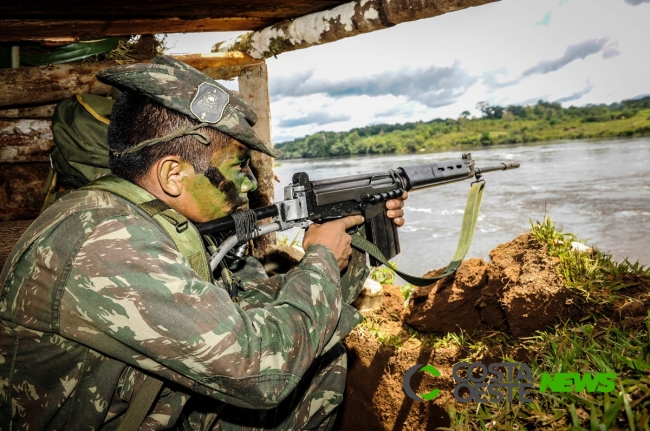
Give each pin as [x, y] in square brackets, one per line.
[540, 123]
[542, 302]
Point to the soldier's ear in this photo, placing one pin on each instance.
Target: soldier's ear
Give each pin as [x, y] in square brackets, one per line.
[170, 170]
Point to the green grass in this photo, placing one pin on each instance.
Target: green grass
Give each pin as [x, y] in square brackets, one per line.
[596, 276]
[595, 344]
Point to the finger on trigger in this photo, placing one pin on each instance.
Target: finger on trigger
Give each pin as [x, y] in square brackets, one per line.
[352, 221]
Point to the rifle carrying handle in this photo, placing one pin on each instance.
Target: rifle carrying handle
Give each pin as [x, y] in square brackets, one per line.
[382, 231]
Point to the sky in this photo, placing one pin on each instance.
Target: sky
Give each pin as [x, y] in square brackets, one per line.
[575, 52]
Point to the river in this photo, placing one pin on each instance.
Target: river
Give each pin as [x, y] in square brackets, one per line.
[598, 189]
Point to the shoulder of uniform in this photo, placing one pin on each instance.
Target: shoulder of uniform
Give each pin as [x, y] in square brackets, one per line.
[93, 199]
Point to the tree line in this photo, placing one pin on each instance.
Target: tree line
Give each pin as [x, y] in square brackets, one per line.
[498, 125]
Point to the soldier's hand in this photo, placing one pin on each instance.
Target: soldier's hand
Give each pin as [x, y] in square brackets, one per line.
[395, 211]
[333, 235]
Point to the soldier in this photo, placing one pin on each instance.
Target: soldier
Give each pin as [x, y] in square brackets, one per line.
[108, 294]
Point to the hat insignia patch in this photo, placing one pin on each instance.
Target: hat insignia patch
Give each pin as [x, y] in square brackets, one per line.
[209, 103]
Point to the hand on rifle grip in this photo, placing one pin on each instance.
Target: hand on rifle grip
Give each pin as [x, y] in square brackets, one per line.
[333, 236]
[394, 209]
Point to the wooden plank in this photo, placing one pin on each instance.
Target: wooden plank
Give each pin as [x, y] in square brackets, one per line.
[18, 30]
[221, 65]
[34, 20]
[254, 90]
[79, 9]
[46, 84]
[349, 19]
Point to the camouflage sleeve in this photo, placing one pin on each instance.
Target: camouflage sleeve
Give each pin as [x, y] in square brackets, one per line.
[129, 294]
[354, 276]
[260, 290]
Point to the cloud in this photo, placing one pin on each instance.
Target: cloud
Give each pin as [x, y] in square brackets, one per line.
[433, 86]
[398, 110]
[544, 21]
[573, 52]
[490, 79]
[611, 50]
[291, 85]
[317, 118]
[577, 95]
[636, 2]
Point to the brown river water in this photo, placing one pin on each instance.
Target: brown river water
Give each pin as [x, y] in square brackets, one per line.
[599, 190]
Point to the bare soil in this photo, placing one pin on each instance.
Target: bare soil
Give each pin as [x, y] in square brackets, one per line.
[517, 293]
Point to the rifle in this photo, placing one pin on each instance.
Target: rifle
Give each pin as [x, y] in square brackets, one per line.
[329, 199]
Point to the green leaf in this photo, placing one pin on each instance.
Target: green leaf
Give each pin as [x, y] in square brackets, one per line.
[38, 56]
[612, 412]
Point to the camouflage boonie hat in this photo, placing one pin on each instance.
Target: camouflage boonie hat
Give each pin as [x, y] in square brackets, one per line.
[182, 88]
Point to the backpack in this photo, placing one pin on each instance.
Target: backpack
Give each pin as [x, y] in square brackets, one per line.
[80, 154]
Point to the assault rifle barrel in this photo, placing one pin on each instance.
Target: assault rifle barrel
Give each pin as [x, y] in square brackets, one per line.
[499, 167]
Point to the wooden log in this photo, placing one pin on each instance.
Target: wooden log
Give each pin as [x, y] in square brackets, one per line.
[43, 111]
[25, 140]
[254, 90]
[349, 19]
[46, 84]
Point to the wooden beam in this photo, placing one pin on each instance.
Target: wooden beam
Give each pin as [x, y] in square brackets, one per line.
[46, 84]
[349, 19]
[21, 30]
[254, 90]
[220, 65]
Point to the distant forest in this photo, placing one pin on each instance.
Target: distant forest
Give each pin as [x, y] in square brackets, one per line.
[498, 125]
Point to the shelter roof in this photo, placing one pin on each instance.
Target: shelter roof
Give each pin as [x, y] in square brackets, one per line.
[43, 19]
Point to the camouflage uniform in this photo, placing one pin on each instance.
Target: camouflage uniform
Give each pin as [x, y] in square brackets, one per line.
[95, 296]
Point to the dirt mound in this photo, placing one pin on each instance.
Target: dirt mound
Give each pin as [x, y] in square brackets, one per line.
[519, 292]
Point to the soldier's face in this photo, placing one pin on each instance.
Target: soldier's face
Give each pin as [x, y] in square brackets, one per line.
[222, 189]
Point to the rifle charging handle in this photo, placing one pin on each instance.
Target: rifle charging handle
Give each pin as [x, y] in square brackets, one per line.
[381, 197]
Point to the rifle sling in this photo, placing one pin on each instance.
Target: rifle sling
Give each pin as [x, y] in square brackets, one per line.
[142, 402]
[464, 242]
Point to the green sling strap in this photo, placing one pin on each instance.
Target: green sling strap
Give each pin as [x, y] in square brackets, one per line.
[140, 405]
[464, 242]
[189, 244]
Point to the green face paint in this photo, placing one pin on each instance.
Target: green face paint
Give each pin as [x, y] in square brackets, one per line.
[223, 187]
